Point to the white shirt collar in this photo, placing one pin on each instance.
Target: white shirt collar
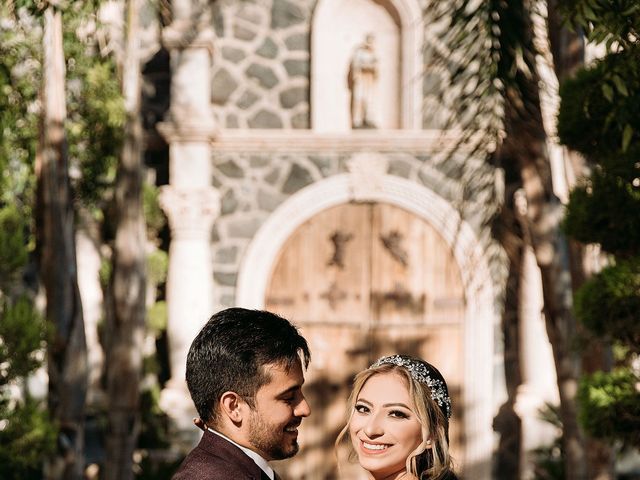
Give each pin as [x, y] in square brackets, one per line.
[261, 462]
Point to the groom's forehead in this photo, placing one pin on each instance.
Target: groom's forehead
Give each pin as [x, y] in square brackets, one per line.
[282, 377]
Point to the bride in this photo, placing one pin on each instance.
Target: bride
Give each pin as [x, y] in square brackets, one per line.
[398, 424]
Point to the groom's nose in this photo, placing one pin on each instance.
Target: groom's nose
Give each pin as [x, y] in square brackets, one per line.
[302, 409]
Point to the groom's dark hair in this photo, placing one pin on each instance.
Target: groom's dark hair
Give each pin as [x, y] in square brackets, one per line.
[230, 352]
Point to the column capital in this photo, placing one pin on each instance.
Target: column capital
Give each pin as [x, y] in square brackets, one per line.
[184, 33]
[191, 212]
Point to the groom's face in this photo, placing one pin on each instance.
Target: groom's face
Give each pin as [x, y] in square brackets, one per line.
[279, 409]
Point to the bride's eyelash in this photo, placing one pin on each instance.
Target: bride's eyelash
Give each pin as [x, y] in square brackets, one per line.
[398, 414]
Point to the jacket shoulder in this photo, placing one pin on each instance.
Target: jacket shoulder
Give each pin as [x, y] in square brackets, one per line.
[215, 459]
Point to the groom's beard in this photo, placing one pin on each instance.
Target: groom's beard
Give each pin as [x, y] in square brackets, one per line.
[272, 440]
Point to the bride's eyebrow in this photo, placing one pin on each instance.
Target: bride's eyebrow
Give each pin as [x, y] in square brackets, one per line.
[362, 400]
[387, 405]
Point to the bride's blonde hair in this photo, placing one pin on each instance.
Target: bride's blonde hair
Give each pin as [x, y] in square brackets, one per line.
[423, 463]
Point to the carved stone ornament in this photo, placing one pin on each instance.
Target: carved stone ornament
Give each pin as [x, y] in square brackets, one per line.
[191, 212]
[367, 173]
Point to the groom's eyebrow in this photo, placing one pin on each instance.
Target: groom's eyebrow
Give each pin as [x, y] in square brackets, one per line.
[291, 389]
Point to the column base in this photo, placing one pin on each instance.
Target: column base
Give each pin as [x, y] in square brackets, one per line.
[536, 432]
[176, 403]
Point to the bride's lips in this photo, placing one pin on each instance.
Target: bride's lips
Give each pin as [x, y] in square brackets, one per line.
[373, 448]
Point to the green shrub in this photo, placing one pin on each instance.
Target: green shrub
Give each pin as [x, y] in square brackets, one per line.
[605, 211]
[27, 437]
[21, 338]
[13, 240]
[598, 113]
[157, 267]
[610, 406]
[609, 303]
[153, 214]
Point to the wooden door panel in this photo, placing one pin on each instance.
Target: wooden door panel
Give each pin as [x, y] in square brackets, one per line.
[415, 279]
[322, 274]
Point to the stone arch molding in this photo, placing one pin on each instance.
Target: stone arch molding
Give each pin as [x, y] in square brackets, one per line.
[480, 317]
[411, 24]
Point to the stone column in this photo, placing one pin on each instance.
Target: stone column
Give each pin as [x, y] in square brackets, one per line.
[538, 369]
[191, 214]
[191, 203]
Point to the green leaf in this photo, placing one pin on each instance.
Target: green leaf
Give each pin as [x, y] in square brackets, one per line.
[607, 91]
[626, 137]
[589, 14]
[622, 88]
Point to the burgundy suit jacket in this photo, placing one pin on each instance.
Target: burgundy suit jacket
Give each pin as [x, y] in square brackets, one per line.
[217, 459]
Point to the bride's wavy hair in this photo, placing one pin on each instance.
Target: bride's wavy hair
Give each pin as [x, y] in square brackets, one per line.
[426, 462]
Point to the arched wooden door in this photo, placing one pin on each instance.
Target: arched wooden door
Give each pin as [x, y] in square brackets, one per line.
[361, 281]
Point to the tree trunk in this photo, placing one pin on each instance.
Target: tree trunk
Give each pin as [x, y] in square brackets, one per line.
[67, 350]
[525, 144]
[544, 213]
[507, 423]
[126, 332]
[567, 48]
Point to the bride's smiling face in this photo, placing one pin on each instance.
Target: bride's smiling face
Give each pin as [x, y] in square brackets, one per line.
[384, 427]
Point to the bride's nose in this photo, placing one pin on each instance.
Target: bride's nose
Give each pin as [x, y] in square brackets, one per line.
[374, 428]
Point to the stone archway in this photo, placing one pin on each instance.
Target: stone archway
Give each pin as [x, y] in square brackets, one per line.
[479, 315]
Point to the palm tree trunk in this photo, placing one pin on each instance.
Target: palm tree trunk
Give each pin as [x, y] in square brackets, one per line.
[526, 145]
[124, 362]
[507, 423]
[67, 350]
[567, 48]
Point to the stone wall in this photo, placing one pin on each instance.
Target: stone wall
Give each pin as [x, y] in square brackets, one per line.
[261, 66]
[252, 185]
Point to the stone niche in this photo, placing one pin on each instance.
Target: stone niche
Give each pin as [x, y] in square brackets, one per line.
[339, 28]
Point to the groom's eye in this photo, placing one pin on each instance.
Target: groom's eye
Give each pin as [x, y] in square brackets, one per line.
[288, 398]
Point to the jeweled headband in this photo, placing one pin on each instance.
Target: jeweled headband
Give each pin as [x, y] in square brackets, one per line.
[422, 372]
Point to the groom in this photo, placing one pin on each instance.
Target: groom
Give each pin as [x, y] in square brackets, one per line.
[245, 376]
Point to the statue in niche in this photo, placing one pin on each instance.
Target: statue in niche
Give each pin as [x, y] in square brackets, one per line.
[363, 75]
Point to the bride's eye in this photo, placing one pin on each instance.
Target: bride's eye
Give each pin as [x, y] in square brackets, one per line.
[361, 408]
[398, 414]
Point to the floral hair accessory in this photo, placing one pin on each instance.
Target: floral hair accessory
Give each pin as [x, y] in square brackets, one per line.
[422, 372]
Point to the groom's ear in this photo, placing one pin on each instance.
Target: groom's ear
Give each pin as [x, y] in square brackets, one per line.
[231, 407]
[198, 422]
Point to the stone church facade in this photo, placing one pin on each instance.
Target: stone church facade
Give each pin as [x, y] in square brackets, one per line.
[366, 233]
